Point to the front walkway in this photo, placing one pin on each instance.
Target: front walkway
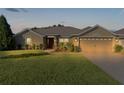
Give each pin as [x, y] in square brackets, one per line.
[111, 63]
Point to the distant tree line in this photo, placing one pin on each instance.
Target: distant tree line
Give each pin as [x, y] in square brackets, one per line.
[59, 25]
[7, 41]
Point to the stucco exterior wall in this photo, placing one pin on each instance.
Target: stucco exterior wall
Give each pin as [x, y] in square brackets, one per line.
[36, 39]
[121, 42]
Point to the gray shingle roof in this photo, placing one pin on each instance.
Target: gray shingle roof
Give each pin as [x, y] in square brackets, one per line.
[86, 28]
[121, 31]
[65, 31]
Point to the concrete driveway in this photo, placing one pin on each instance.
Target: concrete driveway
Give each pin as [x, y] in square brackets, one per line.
[112, 63]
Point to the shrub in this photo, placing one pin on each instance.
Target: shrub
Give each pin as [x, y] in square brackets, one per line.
[77, 49]
[26, 46]
[66, 47]
[24, 55]
[41, 46]
[70, 47]
[61, 46]
[38, 47]
[118, 48]
[34, 46]
[3, 49]
[19, 46]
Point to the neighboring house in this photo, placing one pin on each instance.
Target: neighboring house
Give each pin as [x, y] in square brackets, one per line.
[120, 35]
[94, 38]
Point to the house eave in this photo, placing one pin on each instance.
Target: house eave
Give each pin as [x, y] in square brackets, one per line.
[97, 36]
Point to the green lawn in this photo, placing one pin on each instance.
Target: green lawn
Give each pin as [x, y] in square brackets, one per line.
[55, 68]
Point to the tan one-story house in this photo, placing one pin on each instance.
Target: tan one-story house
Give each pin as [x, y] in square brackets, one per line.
[94, 38]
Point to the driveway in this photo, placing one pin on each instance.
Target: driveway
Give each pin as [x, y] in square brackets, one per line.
[112, 63]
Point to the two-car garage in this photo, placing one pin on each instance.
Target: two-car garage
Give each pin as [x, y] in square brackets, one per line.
[96, 44]
[97, 39]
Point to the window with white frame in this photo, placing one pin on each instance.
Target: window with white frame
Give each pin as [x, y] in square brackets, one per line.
[63, 40]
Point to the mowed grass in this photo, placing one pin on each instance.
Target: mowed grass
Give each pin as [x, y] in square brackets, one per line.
[58, 68]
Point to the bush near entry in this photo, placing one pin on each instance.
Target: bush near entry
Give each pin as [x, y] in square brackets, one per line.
[77, 49]
[34, 47]
[118, 48]
[68, 47]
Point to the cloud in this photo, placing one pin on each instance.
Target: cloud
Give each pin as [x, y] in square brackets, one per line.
[16, 9]
[12, 9]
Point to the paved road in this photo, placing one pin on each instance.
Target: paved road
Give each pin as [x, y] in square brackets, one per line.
[111, 63]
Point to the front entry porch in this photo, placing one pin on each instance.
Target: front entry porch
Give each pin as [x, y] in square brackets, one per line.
[51, 42]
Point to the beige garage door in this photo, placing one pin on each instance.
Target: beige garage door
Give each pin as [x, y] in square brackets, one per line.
[96, 45]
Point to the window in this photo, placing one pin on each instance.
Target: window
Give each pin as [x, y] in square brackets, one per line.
[93, 39]
[29, 41]
[88, 39]
[66, 40]
[63, 40]
[117, 40]
[109, 39]
[84, 39]
[80, 38]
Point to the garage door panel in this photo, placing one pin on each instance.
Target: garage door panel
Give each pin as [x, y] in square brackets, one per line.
[96, 45]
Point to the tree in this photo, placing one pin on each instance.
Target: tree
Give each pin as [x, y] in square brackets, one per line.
[54, 25]
[6, 35]
[59, 25]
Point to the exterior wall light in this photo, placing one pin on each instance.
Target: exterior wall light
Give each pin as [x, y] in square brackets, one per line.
[75, 40]
[116, 40]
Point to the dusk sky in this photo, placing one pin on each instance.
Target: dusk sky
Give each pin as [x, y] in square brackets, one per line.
[20, 19]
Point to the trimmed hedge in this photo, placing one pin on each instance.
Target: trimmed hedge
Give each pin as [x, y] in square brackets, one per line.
[24, 55]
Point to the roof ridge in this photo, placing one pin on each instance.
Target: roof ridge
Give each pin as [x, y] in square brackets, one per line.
[94, 27]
